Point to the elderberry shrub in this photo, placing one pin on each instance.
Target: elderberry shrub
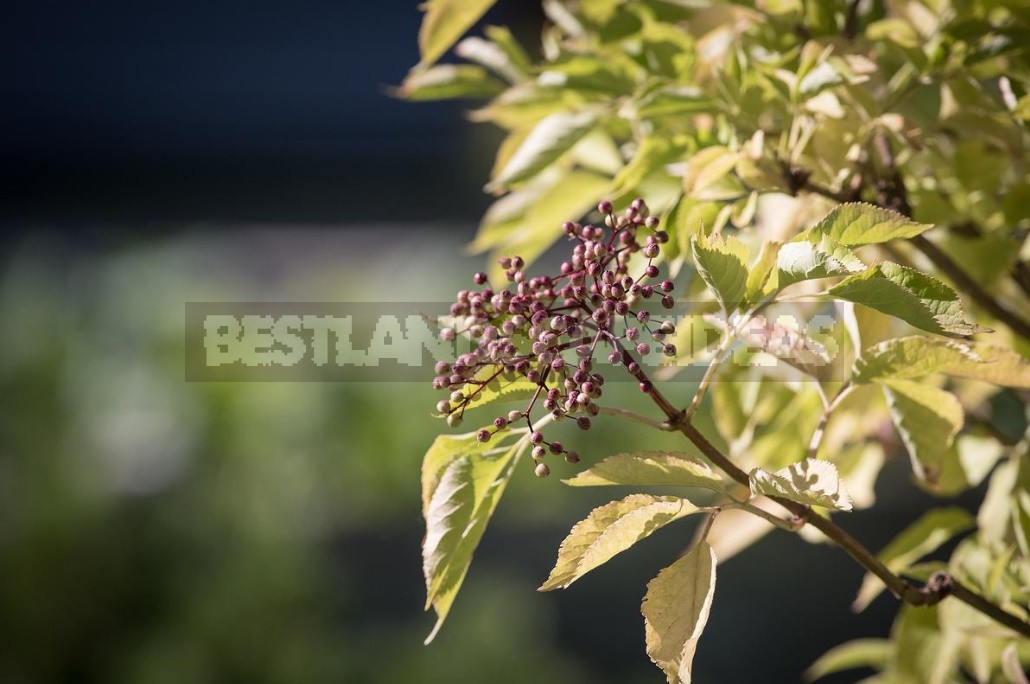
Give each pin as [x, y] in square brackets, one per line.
[548, 329]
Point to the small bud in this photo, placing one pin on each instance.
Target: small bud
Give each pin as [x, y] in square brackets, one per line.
[454, 420]
[483, 435]
[643, 349]
[651, 271]
[514, 416]
[651, 251]
[646, 386]
[539, 452]
[555, 447]
[457, 396]
[572, 457]
[669, 350]
[443, 406]
[500, 422]
[652, 222]
[583, 423]
[644, 316]
[536, 437]
[542, 470]
[667, 327]
[667, 286]
[668, 302]
[479, 278]
[661, 236]
[605, 207]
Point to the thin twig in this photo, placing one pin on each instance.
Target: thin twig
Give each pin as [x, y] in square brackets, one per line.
[851, 21]
[635, 417]
[788, 525]
[820, 430]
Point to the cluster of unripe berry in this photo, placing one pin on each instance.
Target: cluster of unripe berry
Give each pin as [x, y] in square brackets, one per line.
[547, 329]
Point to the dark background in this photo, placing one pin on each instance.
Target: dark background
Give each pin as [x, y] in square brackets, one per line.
[229, 111]
[154, 530]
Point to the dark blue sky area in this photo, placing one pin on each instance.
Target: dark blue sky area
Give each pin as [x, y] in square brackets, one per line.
[176, 100]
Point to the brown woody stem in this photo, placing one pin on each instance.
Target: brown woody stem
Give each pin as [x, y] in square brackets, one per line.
[936, 589]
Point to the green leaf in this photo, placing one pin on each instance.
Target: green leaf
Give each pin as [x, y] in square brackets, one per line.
[610, 530]
[587, 73]
[818, 79]
[549, 139]
[820, 258]
[707, 167]
[462, 481]
[872, 653]
[812, 482]
[762, 269]
[923, 653]
[673, 101]
[676, 609]
[856, 223]
[528, 221]
[915, 356]
[652, 153]
[490, 55]
[914, 297]
[506, 41]
[520, 107]
[722, 264]
[649, 468]
[444, 23]
[927, 418]
[446, 81]
[924, 536]
[598, 152]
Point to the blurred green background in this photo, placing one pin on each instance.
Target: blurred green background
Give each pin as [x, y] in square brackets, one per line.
[155, 530]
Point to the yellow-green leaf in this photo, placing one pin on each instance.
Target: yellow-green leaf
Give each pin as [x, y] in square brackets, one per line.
[552, 137]
[914, 297]
[915, 356]
[610, 530]
[649, 468]
[676, 609]
[445, 81]
[856, 223]
[535, 224]
[462, 481]
[444, 23]
[812, 482]
[819, 258]
[873, 653]
[927, 418]
[722, 264]
[707, 167]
